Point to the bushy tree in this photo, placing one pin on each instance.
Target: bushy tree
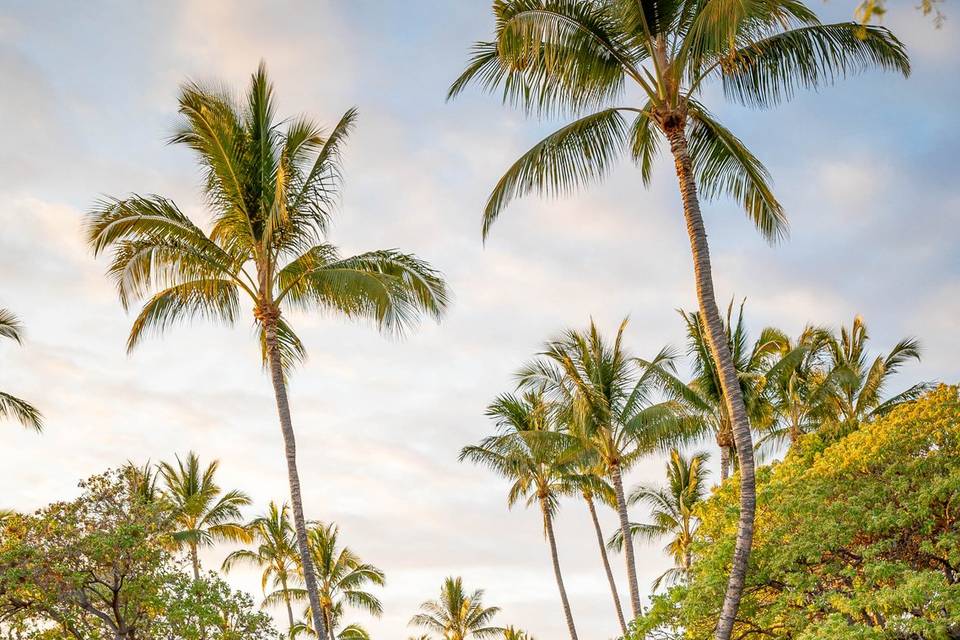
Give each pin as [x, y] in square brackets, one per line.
[857, 538]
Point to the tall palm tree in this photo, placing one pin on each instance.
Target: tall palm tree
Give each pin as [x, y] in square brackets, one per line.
[528, 449]
[609, 403]
[270, 187]
[860, 392]
[578, 56]
[11, 406]
[671, 512]
[204, 513]
[275, 553]
[343, 579]
[457, 615]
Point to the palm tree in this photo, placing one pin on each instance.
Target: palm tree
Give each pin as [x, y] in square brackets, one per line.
[752, 363]
[671, 512]
[343, 579]
[11, 406]
[608, 402]
[275, 553]
[587, 479]
[861, 385]
[348, 632]
[528, 450]
[577, 56]
[457, 615]
[144, 481]
[513, 633]
[270, 187]
[204, 513]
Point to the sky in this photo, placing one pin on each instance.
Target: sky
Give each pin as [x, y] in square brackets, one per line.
[867, 172]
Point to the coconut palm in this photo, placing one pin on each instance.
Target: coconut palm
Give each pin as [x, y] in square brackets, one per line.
[704, 393]
[800, 387]
[270, 187]
[860, 388]
[11, 406]
[144, 481]
[592, 56]
[513, 633]
[343, 579]
[457, 615]
[348, 632]
[275, 553]
[671, 512]
[528, 450]
[204, 513]
[609, 405]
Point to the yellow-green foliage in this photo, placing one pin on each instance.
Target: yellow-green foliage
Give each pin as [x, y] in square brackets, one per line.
[856, 538]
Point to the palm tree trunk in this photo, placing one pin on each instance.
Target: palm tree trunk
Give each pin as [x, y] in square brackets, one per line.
[548, 530]
[606, 562]
[195, 560]
[732, 395]
[290, 447]
[724, 462]
[632, 583]
[328, 620]
[286, 601]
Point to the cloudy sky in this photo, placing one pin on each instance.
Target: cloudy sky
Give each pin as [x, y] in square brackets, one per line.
[867, 172]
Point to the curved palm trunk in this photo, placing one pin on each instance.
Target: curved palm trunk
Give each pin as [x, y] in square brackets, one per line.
[732, 395]
[617, 480]
[606, 562]
[548, 530]
[296, 502]
[286, 601]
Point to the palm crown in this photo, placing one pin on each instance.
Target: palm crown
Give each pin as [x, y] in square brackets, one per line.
[25, 413]
[457, 614]
[582, 55]
[270, 187]
[205, 514]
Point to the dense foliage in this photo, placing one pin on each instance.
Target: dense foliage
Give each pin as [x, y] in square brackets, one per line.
[101, 566]
[857, 537]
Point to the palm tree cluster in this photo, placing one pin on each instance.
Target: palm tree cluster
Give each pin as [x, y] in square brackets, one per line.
[586, 411]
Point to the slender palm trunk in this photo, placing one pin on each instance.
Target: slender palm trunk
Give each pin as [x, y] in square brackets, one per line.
[732, 395]
[548, 530]
[286, 601]
[606, 562]
[290, 447]
[195, 561]
[724, 462]
[632, 583]
[328, 620]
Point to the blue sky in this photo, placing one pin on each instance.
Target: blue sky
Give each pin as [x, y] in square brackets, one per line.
[867, 172]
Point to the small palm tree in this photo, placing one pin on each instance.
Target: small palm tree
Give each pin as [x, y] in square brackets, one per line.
[348, 632]
[528, 450]
[592, 57]
[343, 579]
[513, 633]
[270, 186]
[609, 405]
[11, 406]
[204, 513]
[144, 481]
[861, 385]
[671, 512]
[275, 553]
[457, 615]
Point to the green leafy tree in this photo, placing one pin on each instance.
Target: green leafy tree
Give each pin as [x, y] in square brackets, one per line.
[858, 537]
[610, 410]
[205, 514]
[343, 580]
[593, 56]
[457, 615]
[672, 513]
[275, 553]
[11, 406]
[270, 186]
[529, 450]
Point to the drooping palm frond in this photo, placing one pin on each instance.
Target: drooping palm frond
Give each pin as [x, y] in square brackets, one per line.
[10, 326]
[11, 406]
